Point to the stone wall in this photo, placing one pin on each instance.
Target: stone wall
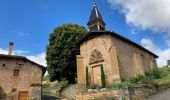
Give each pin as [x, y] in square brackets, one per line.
[144, 91]
[131, 93]
[28, 74]
[71, 91]
[132, 61]
[106, 94]
[103, 44]
[35, 92]
[121, 60]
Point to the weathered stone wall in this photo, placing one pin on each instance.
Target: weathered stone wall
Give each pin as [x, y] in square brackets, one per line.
[132, 60]
[71, 91]
[28, 74]
[103, 44]
[35, 93]
[144, 91]
[132, 93]
[122, 60]
[104, 95]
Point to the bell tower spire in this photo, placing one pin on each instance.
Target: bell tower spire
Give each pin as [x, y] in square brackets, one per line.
[96, 22]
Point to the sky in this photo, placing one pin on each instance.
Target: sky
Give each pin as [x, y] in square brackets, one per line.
[28, 23]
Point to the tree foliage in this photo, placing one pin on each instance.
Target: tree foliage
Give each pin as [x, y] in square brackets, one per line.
[61, 52]
[103, 81]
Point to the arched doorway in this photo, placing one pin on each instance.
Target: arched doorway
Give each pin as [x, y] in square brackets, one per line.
[96, 60]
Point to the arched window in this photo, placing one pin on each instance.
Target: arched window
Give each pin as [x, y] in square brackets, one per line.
[96, 57]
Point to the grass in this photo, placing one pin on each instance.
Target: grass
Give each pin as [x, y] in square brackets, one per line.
[155, 76]
[163, 80]
[50, 89]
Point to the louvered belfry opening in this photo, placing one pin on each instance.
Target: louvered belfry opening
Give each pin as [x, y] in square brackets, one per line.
[96, 22]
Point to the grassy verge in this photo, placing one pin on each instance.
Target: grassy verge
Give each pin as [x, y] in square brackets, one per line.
[153, 77]
[163, 80]
[50, 88]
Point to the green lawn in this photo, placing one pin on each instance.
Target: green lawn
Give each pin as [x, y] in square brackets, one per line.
[163, 80]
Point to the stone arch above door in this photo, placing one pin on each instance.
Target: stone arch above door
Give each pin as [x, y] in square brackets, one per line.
[96, 57]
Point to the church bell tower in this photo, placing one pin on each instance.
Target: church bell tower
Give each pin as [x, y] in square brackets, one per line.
[96, 22]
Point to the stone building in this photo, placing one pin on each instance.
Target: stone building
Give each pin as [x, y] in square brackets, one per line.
[20, 78]
[121, 58]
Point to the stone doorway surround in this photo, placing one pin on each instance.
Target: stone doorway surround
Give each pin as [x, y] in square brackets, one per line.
[96, 75]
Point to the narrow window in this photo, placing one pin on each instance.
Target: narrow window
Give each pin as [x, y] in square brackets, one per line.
[3, 65]
[14, 90]
[16, 72]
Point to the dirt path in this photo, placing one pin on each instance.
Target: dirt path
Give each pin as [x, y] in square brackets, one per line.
[165, 95]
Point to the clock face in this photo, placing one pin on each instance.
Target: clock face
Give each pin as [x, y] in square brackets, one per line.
[96, 56]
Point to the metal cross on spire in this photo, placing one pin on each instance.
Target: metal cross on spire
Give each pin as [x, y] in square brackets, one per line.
[96, 20]
[95, 2]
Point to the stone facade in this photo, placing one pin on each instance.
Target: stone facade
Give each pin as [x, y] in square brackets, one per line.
[20, 79]
[121, 59]
[132, 60]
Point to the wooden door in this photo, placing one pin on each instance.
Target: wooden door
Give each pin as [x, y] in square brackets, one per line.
[23, 95]
[97, 75]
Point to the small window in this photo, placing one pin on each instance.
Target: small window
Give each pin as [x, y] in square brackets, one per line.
[16, 72]
[3, 65]
[14, 90]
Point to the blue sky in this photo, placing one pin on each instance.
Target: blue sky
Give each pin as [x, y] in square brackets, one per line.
[28, 23]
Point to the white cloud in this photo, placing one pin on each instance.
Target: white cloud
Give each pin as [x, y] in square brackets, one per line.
[153, 15]
[145, 14]
[15, 52]
[167, 43]
[147, 43]
[164, 55]
[2, 51]
[39, 58]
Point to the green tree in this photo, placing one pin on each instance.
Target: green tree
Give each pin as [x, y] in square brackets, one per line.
[61, 52]
[103, 81]
[87, 77]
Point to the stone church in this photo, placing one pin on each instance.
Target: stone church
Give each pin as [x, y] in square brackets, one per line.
[121, 58]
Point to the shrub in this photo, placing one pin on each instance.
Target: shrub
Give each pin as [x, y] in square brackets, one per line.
[103, 81]
[62, 84]
[136, 79]
[119, 85]
[154, 73]
[87, 77]
[46, 78]
[45, 84]
[54, 84]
